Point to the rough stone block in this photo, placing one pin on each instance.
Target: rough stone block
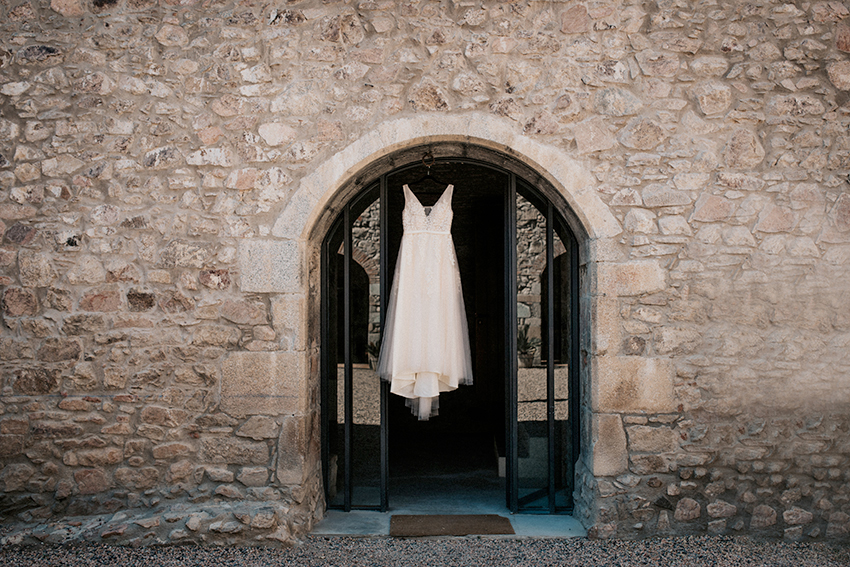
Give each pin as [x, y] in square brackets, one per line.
[651, 464]
[616, 101]
[631, 383]
[137, 479]
[713, 97]
[743, 151]
[55, 349]
[20, 301]
[289, 320]
[292, 450]
[592, 135]
[171, 35]
[91, 481]
[225, 450]
[94, 457]
[575, 20]
[640, 221]
[171, 450]
[629, 278]
[185, 254]
[610, 455]
[61, 165]
[839, 524]
[763, 516]
[712, 208]
[721, 509]
[11, 445]
[55, 429]
[796, 516]
[608, 335]
[180, 470]
[662, 195]
[68, 8]
[244, 312]
[686, 510]
[101, 300]
[262, 383]
[657, 64]
[776, 219]
[253, 476]
[641, 134]
[647, 439]
[15, 476]
[36, 381]
[35, 269]
[270, 266]
[217, 474]
[716, 526]
[839, 74]
[676, 340]
[216, 335]
[259, 427]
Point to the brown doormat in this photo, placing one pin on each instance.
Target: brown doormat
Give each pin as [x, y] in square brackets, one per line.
[402, 525]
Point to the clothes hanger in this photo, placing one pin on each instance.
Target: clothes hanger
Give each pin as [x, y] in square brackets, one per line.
[428, 176]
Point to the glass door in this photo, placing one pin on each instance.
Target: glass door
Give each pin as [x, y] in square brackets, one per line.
[543, 401]
[353, 396]
[541, 350]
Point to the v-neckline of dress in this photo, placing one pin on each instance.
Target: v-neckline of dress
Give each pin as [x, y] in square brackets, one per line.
[434, 206]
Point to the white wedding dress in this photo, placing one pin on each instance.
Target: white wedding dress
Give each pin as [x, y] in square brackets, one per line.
[425, 348]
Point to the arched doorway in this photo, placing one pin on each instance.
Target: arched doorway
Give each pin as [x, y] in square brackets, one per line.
[513, 435]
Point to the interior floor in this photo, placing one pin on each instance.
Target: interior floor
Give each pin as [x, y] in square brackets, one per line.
[449, 461]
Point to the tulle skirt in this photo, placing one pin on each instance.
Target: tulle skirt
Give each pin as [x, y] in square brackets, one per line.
[425, 349]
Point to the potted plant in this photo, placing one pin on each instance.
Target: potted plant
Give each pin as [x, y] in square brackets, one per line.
[526, 347]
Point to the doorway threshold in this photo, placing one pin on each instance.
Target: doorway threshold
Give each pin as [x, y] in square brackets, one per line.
[365, 523]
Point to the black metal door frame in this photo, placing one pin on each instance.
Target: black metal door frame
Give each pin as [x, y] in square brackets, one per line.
[344, 222]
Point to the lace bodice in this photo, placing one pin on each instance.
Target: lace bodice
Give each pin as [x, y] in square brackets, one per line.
[416, 219]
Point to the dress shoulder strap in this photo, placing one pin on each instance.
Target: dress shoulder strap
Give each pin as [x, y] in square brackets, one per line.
[447, 193]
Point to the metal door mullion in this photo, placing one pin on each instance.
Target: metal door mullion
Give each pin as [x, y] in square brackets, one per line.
[573, 392]
[385, 387]
[511, 452]
[324, 362]
[349, 373]
[550, 346]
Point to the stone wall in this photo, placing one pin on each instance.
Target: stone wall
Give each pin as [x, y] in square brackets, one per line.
[158, 347]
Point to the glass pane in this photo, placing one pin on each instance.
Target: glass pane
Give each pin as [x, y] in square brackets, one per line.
[544, 352]
[334, 411]
[532, 425]
[365, 297]
[561, 330]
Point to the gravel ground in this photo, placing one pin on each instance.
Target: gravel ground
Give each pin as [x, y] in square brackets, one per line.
[461, 552]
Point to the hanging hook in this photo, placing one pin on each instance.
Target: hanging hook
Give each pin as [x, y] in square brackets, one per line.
[428, 177]
[426, 163]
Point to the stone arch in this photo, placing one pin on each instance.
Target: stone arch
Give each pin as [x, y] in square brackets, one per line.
[286, 264]
[277, 264]
[318, 195]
